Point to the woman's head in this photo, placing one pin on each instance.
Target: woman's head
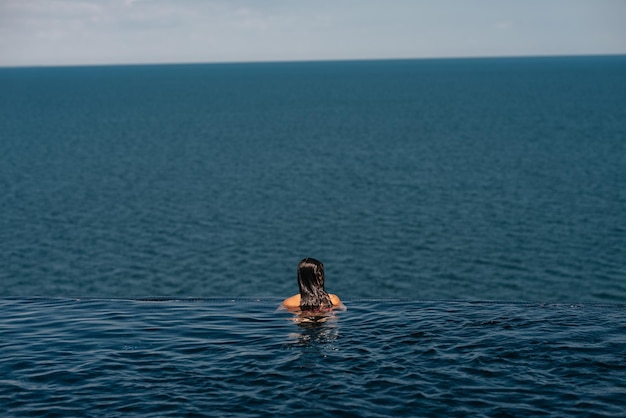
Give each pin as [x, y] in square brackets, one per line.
[310, 273]
[311, 284]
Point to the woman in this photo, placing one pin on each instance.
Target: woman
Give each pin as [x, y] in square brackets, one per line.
[312, 296]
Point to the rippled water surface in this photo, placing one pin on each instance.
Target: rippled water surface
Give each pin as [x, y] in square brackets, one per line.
[500, 179]
[445, 182]
[219, 357]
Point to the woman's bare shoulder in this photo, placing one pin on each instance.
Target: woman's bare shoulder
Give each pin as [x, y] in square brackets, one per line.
[292, 302]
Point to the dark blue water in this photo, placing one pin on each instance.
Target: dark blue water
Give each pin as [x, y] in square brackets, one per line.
[208, 357]
[464, 179]
[428, 180]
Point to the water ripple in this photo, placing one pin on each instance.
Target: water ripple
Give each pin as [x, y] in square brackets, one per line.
[172, 357]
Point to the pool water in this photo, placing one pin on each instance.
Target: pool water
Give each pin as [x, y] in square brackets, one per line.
[243, 357]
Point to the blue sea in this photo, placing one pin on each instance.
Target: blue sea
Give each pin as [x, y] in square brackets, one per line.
[471, 214]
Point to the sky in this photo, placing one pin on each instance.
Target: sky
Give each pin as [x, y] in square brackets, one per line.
[95, 32]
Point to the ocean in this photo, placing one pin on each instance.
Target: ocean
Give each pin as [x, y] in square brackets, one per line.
[469, 212]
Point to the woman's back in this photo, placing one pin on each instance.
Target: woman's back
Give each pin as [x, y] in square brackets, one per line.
[312, 294]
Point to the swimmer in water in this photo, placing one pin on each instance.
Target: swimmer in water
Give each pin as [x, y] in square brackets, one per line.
[312, 296]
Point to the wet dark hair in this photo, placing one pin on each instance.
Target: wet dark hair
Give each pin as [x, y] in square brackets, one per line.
[311, 283]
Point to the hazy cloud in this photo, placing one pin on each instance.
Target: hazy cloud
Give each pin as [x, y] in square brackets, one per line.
[57, 32]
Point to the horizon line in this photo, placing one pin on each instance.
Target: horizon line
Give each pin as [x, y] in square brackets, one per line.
[321, 60]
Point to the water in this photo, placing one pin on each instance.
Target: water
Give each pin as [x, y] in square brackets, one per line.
[211, 357]
[430, 179]
[192, 191]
